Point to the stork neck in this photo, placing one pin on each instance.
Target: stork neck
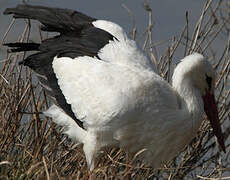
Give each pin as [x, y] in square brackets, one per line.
[192, 98]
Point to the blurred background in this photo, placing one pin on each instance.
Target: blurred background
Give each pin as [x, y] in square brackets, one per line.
[168, 16]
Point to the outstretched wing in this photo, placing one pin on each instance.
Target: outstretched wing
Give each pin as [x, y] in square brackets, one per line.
[53, 19]
[78, 37]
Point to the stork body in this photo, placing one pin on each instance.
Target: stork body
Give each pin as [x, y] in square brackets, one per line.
[106, 92]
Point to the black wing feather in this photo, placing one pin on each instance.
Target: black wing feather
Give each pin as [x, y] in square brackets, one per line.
[78, 37]
[17, 47]
[53, 19]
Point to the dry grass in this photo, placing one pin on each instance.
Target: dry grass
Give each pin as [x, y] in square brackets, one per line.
[32, 147]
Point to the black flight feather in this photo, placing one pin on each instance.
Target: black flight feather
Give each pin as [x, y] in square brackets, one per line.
[78, 37]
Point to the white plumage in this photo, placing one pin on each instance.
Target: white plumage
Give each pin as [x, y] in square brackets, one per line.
[106, 90]
[124, 103]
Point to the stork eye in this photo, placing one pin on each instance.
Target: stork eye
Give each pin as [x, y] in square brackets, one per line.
[209, 81]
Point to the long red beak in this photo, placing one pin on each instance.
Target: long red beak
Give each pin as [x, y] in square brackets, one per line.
[210, 109]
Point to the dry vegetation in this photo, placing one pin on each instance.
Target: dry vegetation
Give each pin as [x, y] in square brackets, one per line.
[32, 147]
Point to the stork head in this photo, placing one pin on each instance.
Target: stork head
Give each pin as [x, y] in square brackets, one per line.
[203, 76]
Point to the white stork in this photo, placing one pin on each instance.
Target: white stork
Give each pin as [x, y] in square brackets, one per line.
[106, 92]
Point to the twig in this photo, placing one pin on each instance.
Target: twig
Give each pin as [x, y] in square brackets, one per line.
[46, 169]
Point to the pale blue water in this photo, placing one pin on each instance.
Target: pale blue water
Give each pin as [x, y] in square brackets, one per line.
[168, 15]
